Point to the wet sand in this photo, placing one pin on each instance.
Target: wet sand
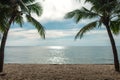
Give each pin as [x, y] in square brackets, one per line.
[59, 72]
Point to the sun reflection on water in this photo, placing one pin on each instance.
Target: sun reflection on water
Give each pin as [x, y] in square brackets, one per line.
[56, 47]
[57, 55]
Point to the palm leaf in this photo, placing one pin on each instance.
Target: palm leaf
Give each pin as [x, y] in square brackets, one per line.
[28, 1]
[117, 8]
[103, 5]
[35, 8]
[37, 25]
[3, 21]
[115, 26]
[70, 14]
[86, 28]
[99, 23]
[93, 2]
[19, 20]
[83, 13]
[3, 6]
[3, 26]
[23, 6]
[89, 13]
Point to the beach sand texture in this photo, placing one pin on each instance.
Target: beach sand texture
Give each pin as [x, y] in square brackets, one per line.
[59, 72]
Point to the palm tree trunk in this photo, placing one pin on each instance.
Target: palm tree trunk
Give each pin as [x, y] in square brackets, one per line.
[115, 54]
[3, 43]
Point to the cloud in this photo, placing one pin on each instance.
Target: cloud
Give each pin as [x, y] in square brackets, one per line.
[33, 34]
[56, 9]
[24, 37]
[60, 33]
[24, 33]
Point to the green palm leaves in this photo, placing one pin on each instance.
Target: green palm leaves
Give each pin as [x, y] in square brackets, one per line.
[37, 25]
[35, 8]
[86, 28]
[83, 13]
[115, 26]
[3, 18]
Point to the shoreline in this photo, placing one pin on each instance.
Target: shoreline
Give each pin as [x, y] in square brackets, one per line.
[51, 64]
[60, 72]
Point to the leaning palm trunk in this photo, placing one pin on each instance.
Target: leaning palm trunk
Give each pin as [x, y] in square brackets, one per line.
[3, 43]
[114, 49]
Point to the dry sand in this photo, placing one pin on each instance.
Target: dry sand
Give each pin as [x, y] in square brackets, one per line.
[59, 72]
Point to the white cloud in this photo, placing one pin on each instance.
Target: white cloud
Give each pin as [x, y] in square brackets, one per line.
[56, 9]
[19, 32]
[22, 37]
[33, 34]
[59, 33]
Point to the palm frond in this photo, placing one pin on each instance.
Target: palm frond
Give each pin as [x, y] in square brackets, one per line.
[37, 25]
[2, 26]
[86, 28]
[115, 26]
[83, 13]
[93, 2]
[28, 1]
[91, 13]
[117, 8]
[107, 5]
[3, 6]
[99, 23]
[23, 6]
[35, 8]
[70, 14]
[3, 22]
[19, 20]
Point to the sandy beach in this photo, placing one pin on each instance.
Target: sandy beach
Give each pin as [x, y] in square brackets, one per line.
[59, 72]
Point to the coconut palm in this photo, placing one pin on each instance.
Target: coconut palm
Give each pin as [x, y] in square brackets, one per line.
[15, 10]
[107, 12]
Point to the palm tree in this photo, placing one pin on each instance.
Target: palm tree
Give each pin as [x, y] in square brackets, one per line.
[3, 24]
[108, 13]
[15, 10]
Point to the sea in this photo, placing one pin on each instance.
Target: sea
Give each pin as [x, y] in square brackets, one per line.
[59, 54]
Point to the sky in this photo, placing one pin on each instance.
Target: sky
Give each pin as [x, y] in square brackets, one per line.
[59, 31]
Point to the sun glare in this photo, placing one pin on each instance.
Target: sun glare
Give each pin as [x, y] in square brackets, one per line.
[56, 47]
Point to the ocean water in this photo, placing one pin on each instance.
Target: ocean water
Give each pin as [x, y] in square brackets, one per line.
[60, 55]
